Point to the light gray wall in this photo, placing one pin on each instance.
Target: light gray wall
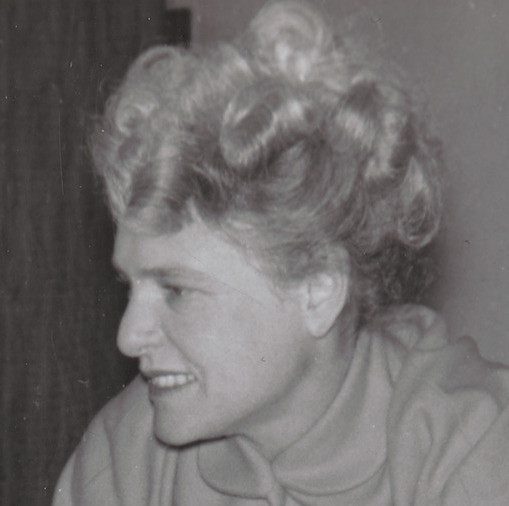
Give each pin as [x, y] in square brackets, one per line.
[457, 51]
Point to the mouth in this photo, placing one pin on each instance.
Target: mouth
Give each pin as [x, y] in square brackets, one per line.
[171, 380]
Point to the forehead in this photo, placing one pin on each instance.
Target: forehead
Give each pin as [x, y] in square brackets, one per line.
[196, 250]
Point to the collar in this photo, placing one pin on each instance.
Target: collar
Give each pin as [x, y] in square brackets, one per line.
[344, 449]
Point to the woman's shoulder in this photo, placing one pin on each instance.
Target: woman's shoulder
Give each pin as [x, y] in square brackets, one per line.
[130, 406]
[124, 417]
[448, 423]
[430, 360]
[116, 455]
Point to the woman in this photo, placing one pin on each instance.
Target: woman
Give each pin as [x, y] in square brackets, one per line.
[273, 198]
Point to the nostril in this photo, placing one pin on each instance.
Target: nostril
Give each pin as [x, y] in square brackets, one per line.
[145, 362]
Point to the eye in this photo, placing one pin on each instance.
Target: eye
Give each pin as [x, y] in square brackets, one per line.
[173, 290]
[173, 293]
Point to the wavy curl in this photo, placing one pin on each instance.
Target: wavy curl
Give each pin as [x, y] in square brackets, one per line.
[288, 132]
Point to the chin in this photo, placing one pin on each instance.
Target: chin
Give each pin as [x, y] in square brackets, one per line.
[174, 434]
[181, 432]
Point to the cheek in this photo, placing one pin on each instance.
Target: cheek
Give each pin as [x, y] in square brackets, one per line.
[210, 332]
[265, 340]
[235, 339]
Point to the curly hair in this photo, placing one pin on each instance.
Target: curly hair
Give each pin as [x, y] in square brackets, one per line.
[289, 139]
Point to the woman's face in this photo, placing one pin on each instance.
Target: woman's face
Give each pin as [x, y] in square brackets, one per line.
[225, 352]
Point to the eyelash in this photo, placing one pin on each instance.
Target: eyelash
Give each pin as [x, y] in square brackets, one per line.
[173, 290]
[175, 294]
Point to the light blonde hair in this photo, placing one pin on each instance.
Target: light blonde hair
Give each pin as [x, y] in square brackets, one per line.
[290, 132]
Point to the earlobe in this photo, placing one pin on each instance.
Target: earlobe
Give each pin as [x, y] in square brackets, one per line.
[324, 296]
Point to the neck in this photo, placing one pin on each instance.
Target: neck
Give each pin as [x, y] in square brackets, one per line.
[299, 412]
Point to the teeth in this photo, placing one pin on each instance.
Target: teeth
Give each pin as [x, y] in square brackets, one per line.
[172, 380]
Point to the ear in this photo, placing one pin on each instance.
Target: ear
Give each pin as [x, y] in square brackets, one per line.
[323, 297]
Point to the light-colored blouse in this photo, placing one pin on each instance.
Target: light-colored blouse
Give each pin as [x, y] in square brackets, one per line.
[418, 421]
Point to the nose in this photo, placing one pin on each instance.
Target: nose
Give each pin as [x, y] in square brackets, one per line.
[139, 328]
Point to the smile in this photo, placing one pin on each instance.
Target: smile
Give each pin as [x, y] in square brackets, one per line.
[172, 380]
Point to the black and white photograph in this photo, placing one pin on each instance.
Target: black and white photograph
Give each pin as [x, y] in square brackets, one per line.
[254, 252]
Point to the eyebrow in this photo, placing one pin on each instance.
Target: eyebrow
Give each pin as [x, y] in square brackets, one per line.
[167, 273]
[175, 273]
